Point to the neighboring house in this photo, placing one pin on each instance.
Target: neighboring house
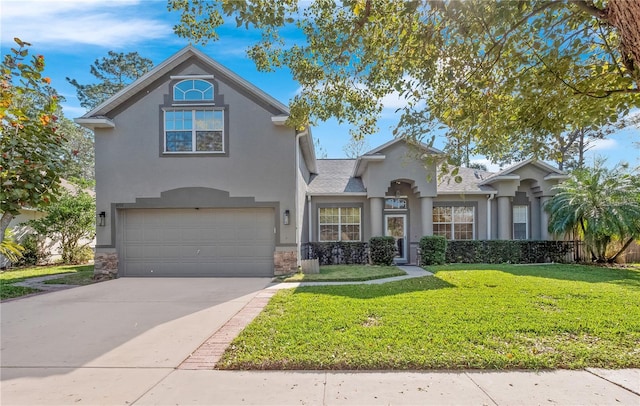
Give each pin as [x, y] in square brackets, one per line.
[197, 175]
[21, 230]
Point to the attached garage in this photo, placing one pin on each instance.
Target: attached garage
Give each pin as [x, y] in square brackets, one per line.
[197, 242]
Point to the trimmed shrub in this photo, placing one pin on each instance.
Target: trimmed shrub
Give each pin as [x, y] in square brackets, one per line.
[35, 251]
[433, 250]
[338, 253]
[382, 250]
[507, 251]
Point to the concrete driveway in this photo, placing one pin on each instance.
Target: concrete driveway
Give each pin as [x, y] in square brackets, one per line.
[109, 342]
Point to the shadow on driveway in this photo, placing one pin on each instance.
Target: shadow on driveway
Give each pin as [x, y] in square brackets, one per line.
[127, 322]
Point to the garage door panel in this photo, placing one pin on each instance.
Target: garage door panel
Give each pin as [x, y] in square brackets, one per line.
[205, 242]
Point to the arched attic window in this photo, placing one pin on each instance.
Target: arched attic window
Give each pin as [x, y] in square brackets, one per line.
[193, 90]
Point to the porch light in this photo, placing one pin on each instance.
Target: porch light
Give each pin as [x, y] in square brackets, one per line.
[102, 216]
[285, 218]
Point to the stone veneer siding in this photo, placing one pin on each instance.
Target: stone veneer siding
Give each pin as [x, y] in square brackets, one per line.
[285, 262]
[105, 264]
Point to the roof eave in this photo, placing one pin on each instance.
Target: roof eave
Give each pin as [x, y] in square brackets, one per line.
[556, 176]
[362, 162]
[95, 122]
[336, 194]
[498, 178]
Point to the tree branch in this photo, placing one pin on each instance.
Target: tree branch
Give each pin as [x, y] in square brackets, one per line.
[589, 8]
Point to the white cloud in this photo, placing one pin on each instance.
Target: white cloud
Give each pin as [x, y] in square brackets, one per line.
[110, 24]
[605, 144]
[73, 112]
[491, 167]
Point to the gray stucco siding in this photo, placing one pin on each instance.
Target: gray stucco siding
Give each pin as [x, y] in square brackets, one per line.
[259, 164]
[401, 163]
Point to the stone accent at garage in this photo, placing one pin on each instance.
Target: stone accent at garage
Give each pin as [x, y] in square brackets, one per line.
[285, 262]
[105, 263]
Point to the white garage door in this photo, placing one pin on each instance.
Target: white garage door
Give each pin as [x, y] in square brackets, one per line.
[198, 242]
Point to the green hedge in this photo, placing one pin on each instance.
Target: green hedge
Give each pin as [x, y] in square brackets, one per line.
[506, 251]
[338, 253]
[433, 250]
[382, 250]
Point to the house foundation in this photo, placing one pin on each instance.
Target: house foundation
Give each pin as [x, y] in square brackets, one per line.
[105, 263]
[285, 262]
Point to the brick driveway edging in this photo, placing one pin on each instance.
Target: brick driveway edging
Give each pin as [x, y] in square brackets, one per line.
[209, 353]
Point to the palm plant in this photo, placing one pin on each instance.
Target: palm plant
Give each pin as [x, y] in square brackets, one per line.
[599, 204]
[9, 248]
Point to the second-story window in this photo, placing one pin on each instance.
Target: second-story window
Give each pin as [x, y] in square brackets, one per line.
[193, 90]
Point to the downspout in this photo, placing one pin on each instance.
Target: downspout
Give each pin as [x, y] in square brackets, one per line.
[489, 225]
[297, 172]
[311, 217]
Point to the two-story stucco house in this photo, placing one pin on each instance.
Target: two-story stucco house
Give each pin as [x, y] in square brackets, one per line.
[197, 175]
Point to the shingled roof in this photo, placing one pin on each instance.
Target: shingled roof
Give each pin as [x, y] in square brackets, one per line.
[334, 177]
[471, 179]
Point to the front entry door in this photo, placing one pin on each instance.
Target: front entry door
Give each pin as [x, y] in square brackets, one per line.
[395, 225]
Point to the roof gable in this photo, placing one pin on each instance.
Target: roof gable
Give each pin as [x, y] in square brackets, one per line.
[511, 172]
[394, 141]
[166, 67]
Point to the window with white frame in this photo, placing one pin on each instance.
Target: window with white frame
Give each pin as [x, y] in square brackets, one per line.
[196, 131]
[193, 90]
[520, 222]
[454, 223]
[339, 223]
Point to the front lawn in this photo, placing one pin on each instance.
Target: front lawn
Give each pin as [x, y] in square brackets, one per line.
[466, 316]
[347, 273]
[7, 278]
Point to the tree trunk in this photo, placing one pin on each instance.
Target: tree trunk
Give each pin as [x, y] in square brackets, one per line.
[4, 223]
[624, 247]
[581, 147]
[625, 16]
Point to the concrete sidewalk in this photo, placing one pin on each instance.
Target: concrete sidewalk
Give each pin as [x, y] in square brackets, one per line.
[168, 386]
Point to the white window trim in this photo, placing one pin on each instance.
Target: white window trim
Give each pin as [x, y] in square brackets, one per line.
[526, 222]
[453, 223]
[405, 198]
[340, 224]
[202, 100]
[193, 132]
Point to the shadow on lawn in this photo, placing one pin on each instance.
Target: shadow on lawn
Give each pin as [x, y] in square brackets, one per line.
[569, 272]
[370, 291]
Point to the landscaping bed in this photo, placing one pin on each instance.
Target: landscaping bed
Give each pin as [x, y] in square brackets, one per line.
[466, 316]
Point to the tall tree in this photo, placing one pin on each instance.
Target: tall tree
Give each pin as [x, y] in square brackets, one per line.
[321, 152]
[30, 145]
[601, 205]
[495, 74]
[79, 159]
[113, 72]
[355, 147]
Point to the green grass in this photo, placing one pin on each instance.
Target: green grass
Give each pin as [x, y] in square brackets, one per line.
[80, 278]
[467, 316]
[12, 276]
[339, 273]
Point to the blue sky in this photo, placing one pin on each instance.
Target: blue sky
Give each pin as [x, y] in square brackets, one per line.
[71, 34]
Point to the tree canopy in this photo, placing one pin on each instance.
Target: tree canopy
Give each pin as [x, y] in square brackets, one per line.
[30, 145]
[114, 72]
[495, 76]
